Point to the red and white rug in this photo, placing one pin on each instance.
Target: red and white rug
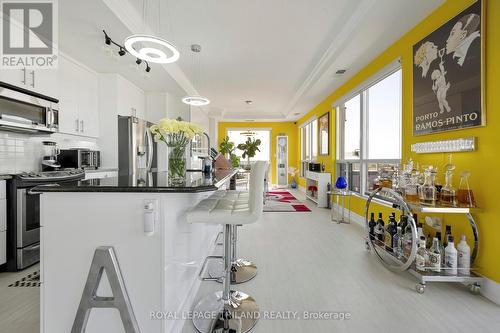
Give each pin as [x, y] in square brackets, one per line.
[283, 201]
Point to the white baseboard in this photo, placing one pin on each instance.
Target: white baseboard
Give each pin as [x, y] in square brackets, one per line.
[491, 290]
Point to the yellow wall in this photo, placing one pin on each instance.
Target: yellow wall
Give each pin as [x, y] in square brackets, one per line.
[485, 179]
[286, 128]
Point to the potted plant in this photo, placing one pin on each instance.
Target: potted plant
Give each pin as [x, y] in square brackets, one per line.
[226, 148]
[176, 135]
[249, 148]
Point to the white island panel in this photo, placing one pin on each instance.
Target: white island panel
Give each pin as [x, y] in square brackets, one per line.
[160, 271]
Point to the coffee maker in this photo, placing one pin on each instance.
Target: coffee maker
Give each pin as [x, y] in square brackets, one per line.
[50, 150]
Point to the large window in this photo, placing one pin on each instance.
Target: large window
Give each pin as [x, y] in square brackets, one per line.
[369, 131]
[240, 136]
[308, 143]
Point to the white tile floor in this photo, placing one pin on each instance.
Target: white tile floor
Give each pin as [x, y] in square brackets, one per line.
[20, 306]
[307, 263]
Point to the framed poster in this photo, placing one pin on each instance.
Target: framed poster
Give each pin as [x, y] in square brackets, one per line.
[324, 134]
[448, 75]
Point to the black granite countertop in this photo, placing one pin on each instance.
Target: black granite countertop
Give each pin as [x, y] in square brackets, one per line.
[195, 181]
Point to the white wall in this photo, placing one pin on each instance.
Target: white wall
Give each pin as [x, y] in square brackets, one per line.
[23, 152]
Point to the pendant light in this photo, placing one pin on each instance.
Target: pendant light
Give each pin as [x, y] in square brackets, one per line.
[196, 100]
[151, 48]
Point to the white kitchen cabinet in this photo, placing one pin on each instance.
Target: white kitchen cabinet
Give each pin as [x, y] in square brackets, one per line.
[78, 99]
[43, 81]
[131, 101]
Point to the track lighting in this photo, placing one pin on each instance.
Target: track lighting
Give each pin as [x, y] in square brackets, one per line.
[121, 52]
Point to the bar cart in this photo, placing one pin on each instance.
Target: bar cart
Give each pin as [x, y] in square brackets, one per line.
[408, 264]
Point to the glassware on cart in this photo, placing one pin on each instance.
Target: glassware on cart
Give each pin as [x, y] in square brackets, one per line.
[385, 177]
[448, 194]
[427, 192]
[465, 197]
[411, 189]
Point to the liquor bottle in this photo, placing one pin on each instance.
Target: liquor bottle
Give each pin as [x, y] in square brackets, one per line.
[397, 241]
[463, 257]
[448, 195]
[407, 242]
[451, 254]
[435, 256]
[390, 231]
[427, 192]
[421, 258]
[420, 231]
[371, 225]
[447, 234]
[441, 247]
[465, 197]
[403, 223]
[411, 189]
[379, 229]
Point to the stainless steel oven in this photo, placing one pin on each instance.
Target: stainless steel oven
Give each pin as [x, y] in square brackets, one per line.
[23, 215]
[28, 227]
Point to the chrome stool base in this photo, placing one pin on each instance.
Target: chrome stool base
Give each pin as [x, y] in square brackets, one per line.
[213, 315]
[241, 271]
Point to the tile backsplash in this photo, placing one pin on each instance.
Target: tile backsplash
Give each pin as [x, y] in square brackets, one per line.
[23, 152]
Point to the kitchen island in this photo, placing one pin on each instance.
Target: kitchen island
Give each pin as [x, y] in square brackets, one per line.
[159, 260]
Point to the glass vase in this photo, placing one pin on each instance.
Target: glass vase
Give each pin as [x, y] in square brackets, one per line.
[176, 164]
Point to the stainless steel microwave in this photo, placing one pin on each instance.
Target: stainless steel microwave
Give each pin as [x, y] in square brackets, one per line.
[79, 158]
[22, 110]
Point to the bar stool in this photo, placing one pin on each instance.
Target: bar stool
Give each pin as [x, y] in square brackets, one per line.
[242, 270]
[234, 309]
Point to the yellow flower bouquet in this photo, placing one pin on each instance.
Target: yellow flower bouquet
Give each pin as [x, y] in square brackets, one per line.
[176, 134]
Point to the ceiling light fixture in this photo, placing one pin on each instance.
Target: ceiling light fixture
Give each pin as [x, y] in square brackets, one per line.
[151, 53]
[151, 48]
[121, 52]
[249, 102]
[196, 100]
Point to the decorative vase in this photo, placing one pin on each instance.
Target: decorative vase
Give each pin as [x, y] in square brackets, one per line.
[341, 183]
[176, 164]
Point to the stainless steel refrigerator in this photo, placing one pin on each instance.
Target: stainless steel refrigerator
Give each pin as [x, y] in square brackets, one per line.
[136, 147]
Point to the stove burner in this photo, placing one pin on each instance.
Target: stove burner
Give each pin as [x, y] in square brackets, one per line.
[52, 175]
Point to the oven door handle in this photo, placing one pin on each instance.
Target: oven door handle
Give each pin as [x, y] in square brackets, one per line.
[33, 247]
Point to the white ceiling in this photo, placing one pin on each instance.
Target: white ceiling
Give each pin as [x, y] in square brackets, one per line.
[281, 54]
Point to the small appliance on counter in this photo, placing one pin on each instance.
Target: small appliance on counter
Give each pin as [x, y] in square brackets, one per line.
[80, 158]
[50, 151]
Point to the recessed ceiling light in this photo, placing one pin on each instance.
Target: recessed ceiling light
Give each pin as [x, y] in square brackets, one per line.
[296, 113]
[154, 52]
[248, 102]
[340, 72]
[196, 100]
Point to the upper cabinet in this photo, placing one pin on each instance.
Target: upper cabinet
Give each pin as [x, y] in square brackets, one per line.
[131, 99]
[43, 81]
[78, 99]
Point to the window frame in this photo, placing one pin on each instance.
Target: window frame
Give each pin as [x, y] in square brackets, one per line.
[303, 143]
[363, 160]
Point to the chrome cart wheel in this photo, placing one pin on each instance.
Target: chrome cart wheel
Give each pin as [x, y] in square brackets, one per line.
[420, 288]
[475, 288]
